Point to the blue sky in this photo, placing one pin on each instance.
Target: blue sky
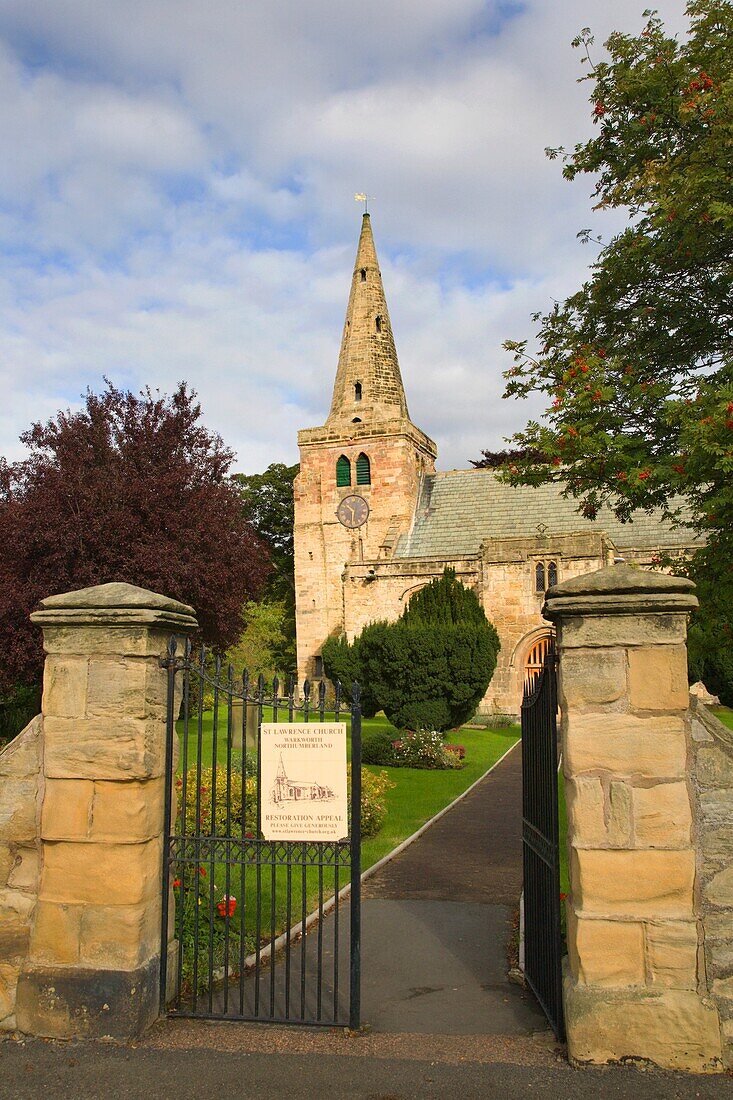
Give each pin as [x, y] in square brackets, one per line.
[176, 200]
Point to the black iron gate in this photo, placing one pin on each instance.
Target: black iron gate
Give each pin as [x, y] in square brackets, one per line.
[252, 929]
[542, 929]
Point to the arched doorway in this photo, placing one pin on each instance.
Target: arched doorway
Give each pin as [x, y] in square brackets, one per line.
[535, 659]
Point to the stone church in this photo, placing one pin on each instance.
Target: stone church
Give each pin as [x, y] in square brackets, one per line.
[375, 521]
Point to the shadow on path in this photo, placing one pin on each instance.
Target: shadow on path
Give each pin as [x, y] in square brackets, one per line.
[436, 921]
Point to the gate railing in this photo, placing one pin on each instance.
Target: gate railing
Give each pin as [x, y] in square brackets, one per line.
[540, 844]
[246, 929]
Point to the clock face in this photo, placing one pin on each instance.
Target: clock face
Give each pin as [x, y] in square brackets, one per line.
[353, 511]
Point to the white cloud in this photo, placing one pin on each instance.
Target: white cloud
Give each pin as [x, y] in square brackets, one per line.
[176, 200]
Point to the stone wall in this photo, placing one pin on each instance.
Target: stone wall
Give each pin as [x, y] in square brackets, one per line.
[712, 786]
[636, 985]
[83, 801]
[20, 817]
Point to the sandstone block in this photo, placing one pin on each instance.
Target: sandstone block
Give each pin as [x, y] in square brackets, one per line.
[606, 631]
[16, 908]
[672, 1028]
[117, 687]
[56, 932]
[118, 874]
[156, 687]
[719, 890]
[648, 883]
[21, 759]
[671, 948]
[619, 817]
[7, 861]
[130, 812]
[121, 640]
[104, 748]
[67, 807]
[592, 677]
[18, 809]
[716, 843]
[8, 984]
[723, 988]
[719, 926]
[662, 815]
[65, 686]
[26, 869]
[658, 677]
[120, 937]
[608, 953]
[625, 744]
[585, 807]
[714, 766]
[718, 952]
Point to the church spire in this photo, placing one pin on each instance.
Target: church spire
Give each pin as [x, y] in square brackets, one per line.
[368, 380]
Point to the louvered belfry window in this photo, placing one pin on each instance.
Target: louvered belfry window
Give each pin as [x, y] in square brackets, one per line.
[343, 472]
[363, 470]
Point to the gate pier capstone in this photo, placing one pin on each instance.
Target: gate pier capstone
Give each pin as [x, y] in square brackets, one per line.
[635, 984]
[93, 955]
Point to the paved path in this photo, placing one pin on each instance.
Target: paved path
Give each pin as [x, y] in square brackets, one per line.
[437, 918]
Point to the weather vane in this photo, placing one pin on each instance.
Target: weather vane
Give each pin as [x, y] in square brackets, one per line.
[359, 197]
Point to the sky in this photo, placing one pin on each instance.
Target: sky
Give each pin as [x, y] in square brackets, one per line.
[177, 201]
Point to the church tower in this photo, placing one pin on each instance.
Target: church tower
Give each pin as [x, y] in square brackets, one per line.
[360, 472]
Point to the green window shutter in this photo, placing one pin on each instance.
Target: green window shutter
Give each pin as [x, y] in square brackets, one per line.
[363, 470]
[343, 471]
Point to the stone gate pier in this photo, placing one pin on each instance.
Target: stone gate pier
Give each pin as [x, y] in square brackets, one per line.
[649, 791]
[81, 820]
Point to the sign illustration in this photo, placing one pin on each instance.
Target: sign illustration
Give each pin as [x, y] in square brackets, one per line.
[304, 784]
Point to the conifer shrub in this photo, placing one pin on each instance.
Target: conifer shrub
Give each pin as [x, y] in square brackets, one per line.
[341, 662]
[429, 669]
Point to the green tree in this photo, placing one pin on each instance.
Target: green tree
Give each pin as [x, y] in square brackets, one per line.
[264, 640]
[341, 662]
[637, 366]
[269, 509]
[430, 668]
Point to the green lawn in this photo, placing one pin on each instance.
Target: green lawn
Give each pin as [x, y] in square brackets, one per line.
[725, 715]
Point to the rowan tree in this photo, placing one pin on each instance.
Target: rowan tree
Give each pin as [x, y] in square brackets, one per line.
[130, 488]
[637, 366]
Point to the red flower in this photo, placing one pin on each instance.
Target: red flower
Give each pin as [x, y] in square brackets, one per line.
[202, 871]
[643, 475]
[563, 896]
[176, 882]
[227, 906]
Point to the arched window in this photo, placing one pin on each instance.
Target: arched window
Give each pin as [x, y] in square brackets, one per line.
[539, 577]
[551, 574]
[357, 391]
[363, 470]
[363, 274]
[343, 471]
[378, 323]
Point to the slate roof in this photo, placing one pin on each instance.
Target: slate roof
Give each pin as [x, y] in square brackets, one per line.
[459, 509]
